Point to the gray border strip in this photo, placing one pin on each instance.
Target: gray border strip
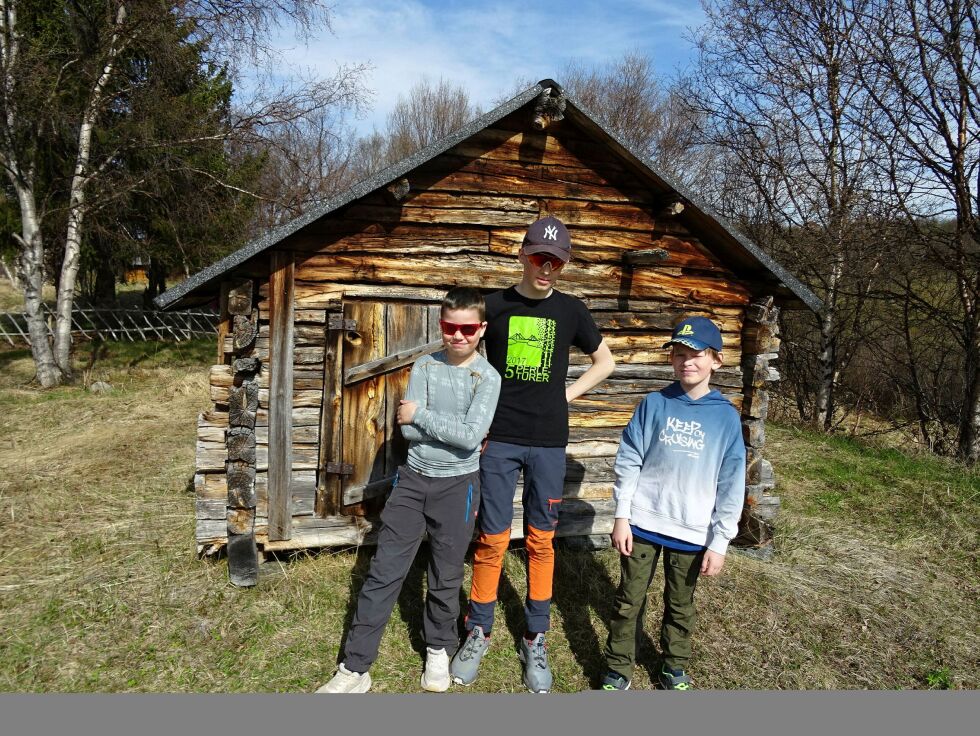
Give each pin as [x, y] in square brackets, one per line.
[395, 171]
[698, 712]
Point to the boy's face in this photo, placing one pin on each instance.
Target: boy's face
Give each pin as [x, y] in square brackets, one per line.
[541, 272]
[455, 323]
[692, 367]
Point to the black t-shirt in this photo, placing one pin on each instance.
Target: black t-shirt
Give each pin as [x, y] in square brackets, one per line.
[527, 342]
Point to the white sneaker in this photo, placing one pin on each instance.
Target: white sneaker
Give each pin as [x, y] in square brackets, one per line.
[346, 681]
[435, 678]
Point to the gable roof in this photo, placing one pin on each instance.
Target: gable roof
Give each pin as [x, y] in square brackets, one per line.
[746, 255]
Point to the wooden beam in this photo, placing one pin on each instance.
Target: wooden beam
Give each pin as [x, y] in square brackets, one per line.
[389, 362]
[280, 393]
[330, 488]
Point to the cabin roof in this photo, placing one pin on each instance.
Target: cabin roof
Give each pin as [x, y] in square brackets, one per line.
[744, 255]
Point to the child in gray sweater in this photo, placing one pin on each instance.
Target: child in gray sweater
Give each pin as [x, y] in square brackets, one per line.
[445, 415]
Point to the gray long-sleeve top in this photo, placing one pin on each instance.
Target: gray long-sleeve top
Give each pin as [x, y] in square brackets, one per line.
[455, 408]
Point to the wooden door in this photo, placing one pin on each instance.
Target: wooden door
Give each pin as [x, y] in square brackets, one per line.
[376, 344]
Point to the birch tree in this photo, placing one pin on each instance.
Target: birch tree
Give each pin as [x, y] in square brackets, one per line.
[62, 78]
[923, 74]
[776, 89]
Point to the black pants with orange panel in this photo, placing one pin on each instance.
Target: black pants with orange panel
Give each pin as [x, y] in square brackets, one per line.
[544, 481]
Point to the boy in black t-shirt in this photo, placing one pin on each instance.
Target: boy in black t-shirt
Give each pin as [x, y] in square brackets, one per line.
[531, 327]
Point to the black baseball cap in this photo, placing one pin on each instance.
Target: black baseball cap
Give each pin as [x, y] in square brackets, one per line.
[548, 235]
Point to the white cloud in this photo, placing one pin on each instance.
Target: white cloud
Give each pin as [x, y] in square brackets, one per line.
[487, 46]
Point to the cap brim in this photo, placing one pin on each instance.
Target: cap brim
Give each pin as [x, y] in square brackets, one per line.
[565, 255]
[688, 342]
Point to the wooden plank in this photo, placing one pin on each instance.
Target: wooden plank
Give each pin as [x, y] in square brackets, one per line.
[303, 398]
[364, 403]
[661, 320]
[391, 362]
[280, 393]
[339, 236]
[224, 321]
[210, 457]
[729, 376]
[303, 435]
[406, 335]
[310, 295]
[302, 416]
[330, 488]
[489, 272]
[509, 178]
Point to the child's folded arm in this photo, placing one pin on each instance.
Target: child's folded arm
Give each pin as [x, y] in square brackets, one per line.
[416, 392]
[464, 432]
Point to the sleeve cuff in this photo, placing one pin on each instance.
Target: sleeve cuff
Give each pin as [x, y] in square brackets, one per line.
[718, 544]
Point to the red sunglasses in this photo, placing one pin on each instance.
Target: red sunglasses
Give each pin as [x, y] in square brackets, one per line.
[467, 330]
[539, 259]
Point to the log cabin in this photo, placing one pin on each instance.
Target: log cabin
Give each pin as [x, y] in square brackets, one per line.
[322, 318]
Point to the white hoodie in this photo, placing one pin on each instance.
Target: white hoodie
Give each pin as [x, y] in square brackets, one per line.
[680, 469]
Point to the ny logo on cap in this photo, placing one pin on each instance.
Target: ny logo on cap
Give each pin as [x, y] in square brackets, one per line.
[551, 232]
[686, 330]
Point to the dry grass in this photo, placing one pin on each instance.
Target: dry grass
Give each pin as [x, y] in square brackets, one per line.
[100, 589]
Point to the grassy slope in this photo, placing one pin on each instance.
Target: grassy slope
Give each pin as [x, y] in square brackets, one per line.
[874, 585]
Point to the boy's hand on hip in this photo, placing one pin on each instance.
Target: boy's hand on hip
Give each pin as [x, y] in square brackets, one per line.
[712, 563]
[406, 411]
[622, 537]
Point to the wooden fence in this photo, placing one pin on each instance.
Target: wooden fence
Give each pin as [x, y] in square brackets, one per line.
[116, 324]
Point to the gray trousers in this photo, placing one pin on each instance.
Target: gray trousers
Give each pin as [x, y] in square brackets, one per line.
[446, 509]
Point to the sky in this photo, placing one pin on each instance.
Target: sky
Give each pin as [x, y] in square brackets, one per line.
[488, 46]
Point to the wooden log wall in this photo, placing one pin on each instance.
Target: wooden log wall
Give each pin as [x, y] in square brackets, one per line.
[760, 346]
[461, 222]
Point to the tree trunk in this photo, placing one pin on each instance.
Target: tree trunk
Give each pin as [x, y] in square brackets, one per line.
[105, 278]
[76, 205]
[968, 448]
[32, 278]
[156, 282]
[823, 415]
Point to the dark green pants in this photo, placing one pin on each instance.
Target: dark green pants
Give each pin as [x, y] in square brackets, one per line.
[681, 570]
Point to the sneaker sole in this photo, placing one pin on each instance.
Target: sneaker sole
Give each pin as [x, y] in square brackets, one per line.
[433, 689]
[362, 687]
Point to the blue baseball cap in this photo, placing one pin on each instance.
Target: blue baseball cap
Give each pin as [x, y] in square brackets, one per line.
[698, 333]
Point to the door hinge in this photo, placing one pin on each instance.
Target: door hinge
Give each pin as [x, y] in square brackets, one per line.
[340, 468]
[337, 322]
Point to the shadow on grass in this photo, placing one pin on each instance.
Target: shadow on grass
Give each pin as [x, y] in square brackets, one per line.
[411, 598]
[583, 586]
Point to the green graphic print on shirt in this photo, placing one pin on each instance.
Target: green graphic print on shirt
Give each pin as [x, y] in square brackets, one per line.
[530, 346]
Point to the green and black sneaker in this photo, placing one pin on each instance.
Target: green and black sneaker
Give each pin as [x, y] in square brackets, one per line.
[675, 680]
[614, 681]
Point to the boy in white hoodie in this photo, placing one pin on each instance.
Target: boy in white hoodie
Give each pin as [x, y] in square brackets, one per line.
[680, 486]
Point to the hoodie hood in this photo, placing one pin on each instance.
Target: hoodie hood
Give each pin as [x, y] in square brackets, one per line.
[712, 398]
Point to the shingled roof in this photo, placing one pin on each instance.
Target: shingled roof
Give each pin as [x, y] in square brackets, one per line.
[742, 255]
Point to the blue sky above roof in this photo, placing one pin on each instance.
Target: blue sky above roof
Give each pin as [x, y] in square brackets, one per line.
[494, 48]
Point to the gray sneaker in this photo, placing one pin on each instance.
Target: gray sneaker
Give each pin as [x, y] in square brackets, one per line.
[466, 662]
[534, 657]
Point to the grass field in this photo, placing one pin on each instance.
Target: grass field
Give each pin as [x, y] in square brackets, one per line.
[874, 583]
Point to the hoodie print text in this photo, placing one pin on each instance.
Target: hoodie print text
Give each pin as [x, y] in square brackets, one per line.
[683, 436]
